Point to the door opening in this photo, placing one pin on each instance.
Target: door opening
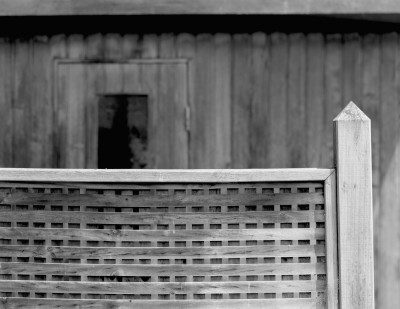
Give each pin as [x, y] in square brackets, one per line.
[123, 131]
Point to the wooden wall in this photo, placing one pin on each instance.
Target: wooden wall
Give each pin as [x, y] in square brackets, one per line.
[257, 100]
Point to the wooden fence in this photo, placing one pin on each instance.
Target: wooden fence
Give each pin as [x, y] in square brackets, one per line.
[282, 238]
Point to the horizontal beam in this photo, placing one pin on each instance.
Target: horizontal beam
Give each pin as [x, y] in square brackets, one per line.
[165, 176]
[283, 303]
[219, 7]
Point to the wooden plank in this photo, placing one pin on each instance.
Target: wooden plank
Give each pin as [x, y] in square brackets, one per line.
[277, 117]
[371, 102]
[241, 100]
[163, 287]
[355, 227]
[163, 218]
[222, 101]
[161, 235]
[162, 270]
[388, 245]
[161, 200]
[6, 110]
[296, 111]
[202, 109]
[8, 186]
[259, 127]
[21, 109]
[58, 49]
[163, 176]
[315, 98]
[296, 303]
[172, 139]
[331, 241]
[41, 105]
[352, 70]
[333, 96]
[136, 7]
[186, 49]
[163, 252]
[94, 78]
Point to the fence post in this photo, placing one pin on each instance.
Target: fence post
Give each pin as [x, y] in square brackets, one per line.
[352, 130]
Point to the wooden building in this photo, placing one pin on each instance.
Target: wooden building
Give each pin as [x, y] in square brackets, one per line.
[196, 84]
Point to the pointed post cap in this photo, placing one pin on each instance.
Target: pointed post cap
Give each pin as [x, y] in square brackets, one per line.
[351, 113]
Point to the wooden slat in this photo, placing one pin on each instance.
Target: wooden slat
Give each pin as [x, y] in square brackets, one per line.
[166, 235]
[161, 270]
[162, 176]
[223, 108]
[388, 228]
[352, 68]
[163, 218]
[41, 105]
[21, 131]
[296, 111]
[333, 93]
[6, 126]
[136, 7]
[241, 100]
[298, 303]
[203, 118]
[186, 252]
[159, 186]
[161, 200]
[332, 268]
[371, 106]
[163, 288]
[315, 98]
[260, 101]
[277, 117]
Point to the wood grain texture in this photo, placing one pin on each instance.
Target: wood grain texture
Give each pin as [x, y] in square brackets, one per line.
[241, 100]
[120, 252]
[222, 109]
[379, 68]
[163, 288]
[315, 98]
[6, 110]
[352, 61]
[277, 118]
[27, 303]
[296, 113]
[184, 176]
[388, 244]
[333, 93]
[160, 270]
[123, 7]
[355, 229]
[332, 242]
[166, 218]
[160, 200]
[259, 126]
[21, 109]
[167, 235]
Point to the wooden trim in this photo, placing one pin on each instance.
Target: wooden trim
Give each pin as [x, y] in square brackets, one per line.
[217, 7]
[331, 242]
[354, 203]
[43, 303]
[165, 176]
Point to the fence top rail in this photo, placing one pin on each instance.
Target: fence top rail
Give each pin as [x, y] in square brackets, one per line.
[165, 176]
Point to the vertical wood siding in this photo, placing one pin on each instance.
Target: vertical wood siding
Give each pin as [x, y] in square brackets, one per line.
[257, 100]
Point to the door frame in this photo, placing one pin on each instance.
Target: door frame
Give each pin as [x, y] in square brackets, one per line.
[57, 149]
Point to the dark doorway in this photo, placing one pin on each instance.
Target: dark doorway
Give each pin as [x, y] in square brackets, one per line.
[123, 122]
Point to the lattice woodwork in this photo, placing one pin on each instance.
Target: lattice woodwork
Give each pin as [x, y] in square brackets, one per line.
[163, 245]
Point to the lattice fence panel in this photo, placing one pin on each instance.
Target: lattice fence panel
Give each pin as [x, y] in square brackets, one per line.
[163, 245]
